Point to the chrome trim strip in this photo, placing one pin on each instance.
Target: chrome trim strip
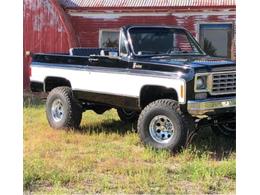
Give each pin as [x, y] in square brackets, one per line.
[59, 66]
[139, 72]
[201, 107]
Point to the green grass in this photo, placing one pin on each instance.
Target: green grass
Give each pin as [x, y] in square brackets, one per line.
[106, 156]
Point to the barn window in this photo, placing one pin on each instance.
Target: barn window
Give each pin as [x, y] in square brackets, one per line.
[108, 38]
[216, 39]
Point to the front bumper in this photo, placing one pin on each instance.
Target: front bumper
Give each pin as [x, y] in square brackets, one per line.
[211, 106]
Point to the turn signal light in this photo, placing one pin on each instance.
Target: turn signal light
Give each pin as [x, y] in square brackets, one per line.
[182, 91]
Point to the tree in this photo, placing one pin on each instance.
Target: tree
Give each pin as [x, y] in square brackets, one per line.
[209, 48]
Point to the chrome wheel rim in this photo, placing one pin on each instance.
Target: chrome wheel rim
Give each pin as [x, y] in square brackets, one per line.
[161, 129]
[57, 110]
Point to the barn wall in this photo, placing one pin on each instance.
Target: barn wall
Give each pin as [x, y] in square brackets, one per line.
[87, 24]
[43, 31]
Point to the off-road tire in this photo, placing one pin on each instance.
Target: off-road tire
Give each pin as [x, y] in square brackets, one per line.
[72, 109]
[221, 130]
[127, 116]
[170, 108]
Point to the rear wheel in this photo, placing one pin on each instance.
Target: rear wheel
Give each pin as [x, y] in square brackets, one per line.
[127, 116]
[62, 109]
[162, 125]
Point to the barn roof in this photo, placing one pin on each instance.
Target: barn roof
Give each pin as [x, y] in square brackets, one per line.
[144, 3]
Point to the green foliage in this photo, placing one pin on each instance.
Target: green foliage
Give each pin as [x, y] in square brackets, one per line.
[209, 48]
[106, 156]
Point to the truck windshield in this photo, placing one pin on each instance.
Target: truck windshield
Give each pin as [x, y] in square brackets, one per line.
[163, 41]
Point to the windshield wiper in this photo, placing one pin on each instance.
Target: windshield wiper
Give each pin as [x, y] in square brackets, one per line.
[184, 52]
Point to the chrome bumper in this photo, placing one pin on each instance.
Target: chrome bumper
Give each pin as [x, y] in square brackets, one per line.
[204, 107]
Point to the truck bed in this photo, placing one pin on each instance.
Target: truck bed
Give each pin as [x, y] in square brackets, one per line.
[77, 56]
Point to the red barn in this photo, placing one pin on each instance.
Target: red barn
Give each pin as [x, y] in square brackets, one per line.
[56, 26]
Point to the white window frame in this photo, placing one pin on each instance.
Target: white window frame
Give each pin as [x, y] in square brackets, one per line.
[232, 22]
[106, 30]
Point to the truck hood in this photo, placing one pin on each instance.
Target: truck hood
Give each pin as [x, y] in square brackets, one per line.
[198, 63]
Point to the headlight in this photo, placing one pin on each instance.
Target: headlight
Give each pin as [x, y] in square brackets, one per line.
[201, 83]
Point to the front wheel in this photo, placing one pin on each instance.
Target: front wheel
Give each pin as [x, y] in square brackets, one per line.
[227, 130]
[162, 125]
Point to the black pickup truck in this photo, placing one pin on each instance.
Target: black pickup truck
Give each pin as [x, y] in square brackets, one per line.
[158, 76]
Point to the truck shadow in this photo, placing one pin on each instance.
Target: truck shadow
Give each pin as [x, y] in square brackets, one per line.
[205, 141]
[218, 147]
[108, 127]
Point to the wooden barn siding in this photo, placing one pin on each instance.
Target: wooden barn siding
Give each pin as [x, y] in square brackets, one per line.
[43, 31]
[87, 27]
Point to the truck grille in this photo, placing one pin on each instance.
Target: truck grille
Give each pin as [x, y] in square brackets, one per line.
[223, 83]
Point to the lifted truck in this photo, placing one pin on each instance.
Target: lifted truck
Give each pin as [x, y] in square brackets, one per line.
[159, 75]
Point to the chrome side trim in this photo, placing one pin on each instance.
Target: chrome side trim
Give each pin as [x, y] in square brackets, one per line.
[202, 107]
[139, 72]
